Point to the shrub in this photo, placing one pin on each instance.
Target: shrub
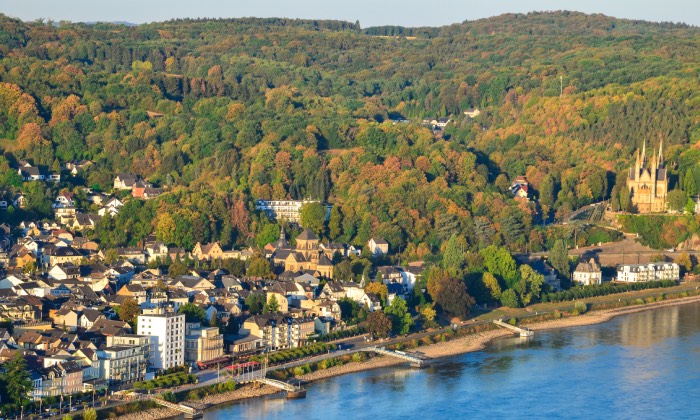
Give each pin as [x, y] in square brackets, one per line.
[580, 307]
[512, 321]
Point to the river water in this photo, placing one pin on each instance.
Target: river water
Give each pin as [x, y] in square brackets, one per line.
[643, 366]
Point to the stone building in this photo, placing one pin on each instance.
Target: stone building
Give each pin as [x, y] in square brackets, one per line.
[647, 182]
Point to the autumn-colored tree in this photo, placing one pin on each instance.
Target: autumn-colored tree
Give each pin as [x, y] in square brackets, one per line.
[378, 324]
[259, 267]
[129, 310]
[379, 289]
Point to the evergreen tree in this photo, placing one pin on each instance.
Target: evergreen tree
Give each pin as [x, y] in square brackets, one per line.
[15, 380]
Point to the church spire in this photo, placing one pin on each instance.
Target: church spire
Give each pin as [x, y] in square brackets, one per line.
[644, 154]
[661, 153]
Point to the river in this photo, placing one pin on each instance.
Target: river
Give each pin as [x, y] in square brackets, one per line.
[644, 365]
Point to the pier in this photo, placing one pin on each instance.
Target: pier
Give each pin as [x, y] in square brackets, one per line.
[524, 332]
[189, 412]
[416, 359]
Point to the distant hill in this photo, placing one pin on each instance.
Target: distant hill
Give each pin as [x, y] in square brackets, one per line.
[226, 111]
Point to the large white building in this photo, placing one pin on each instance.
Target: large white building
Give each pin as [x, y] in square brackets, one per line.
[641, 273]
[289, 210]
[167, 331]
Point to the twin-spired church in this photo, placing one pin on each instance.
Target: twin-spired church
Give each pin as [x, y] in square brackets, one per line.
[648, 182]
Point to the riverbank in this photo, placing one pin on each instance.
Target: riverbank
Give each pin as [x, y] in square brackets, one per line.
[466, 344]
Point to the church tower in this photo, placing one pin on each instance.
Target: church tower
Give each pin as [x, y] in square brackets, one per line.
[648, 181]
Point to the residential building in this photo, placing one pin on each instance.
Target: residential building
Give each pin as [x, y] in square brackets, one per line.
[168, 338]
[289, 210]
[279, 331]
[124, 359]
[588, 273]
[641, 273]
[125, 181]
[62, 379]
[378, 246]
[202, 344]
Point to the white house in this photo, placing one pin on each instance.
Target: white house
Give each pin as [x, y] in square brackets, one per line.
[588, 273]
[378, 246]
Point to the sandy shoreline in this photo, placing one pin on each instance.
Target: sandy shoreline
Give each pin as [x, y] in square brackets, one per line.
[466, 344]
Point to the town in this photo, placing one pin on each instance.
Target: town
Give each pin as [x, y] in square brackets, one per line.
[88, 320]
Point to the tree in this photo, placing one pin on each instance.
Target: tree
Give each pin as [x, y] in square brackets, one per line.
[348, 309]
[193, 313]
[260, 267]
[177, 268]
[272, 305]
[379, 289]
[492, 285]
[510, 299]
[453, 257]
[313, 216]
[530, 285]
[685, 262]
[428, 312]
[129, 310]
[401, 320]
[689, 184]
[15, 380]
[335, 223]
[559, 258]
[500, 263]
[453, 298]
[255, 302]
[90, 414]
[378, 324]
[676, 200]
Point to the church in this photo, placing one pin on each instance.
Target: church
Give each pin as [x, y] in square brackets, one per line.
[307, 256]
[647, 182]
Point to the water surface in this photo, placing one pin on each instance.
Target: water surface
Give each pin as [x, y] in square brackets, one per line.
[644, 365]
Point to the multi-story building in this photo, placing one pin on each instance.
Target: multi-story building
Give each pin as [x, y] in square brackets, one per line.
[202, 344]
[289, 210]
[167, 331]
[588, 273]
[641, 273]
[124, 359]
[279, 331]
[61, 379]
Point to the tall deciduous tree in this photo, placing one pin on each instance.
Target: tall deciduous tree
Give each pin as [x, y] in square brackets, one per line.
[129, 310]
[193, 313]
[313, 216]
[453, 257]
[400, 318]
[500, 263]
[378, 324]
[559, 258]
[453, 298]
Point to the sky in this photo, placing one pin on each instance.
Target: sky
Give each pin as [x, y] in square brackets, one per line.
[368, 12]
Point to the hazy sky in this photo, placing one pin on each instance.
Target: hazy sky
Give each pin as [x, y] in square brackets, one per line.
[368, 12]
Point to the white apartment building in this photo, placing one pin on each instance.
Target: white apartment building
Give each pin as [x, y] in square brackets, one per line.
[167, 331]
[289, 210]
[641, 273]
[124, 359]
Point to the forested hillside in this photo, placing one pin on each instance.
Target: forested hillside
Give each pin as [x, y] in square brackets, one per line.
[223, 112]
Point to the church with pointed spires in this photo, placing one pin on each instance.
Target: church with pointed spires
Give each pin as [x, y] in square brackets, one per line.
[647, 182]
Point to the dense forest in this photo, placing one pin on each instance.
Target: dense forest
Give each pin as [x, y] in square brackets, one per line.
[223, 112]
